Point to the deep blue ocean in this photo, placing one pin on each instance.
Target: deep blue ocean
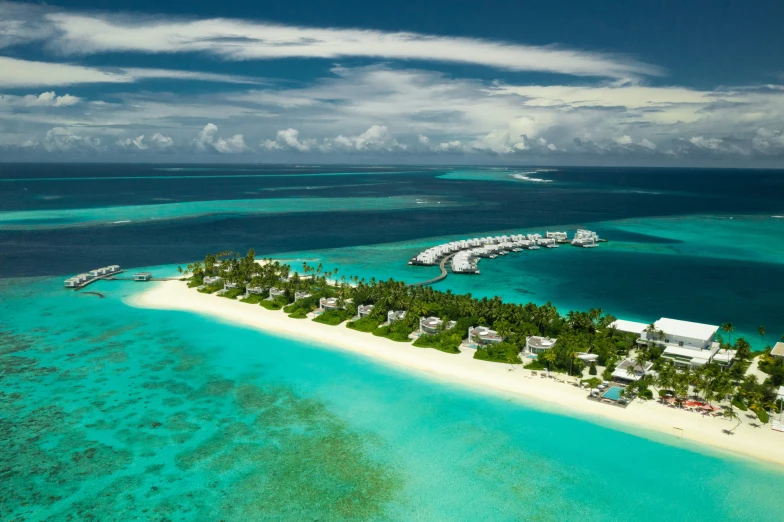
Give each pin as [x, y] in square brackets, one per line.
[109, 412]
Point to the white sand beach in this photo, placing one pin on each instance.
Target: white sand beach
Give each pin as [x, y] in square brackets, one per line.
[649, 418]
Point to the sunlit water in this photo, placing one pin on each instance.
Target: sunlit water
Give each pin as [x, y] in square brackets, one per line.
[111, 412]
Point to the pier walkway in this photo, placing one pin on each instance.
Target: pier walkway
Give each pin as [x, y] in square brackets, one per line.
[441, 277]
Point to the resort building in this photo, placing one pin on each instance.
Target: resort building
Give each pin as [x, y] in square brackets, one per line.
[587, 358]
[686, 343]
[434, 325]
[254, 290]
[142, 276]
[778, 351]
[212, 280]
[629, 326]
[536, 344]
[483, 336]
[559, 237]
[230, 286]
[623, 374]
[395, 315]
[300, 295]
[585, 238]
[277, 292]
[328, 303]
[364, 310]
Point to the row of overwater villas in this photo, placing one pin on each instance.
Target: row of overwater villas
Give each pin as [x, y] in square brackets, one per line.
[492, 247]
[83, 279]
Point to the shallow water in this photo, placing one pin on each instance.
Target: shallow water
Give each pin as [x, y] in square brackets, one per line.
[111, 412]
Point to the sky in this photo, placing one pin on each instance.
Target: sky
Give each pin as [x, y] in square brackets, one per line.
[653, 83]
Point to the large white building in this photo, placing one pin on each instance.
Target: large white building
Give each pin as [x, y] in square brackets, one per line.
[536, 344]
[686, 343]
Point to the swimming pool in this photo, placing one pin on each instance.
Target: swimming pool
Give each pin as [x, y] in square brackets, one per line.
[613, 393]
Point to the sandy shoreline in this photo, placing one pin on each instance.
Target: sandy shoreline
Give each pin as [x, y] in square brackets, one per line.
[642, 418]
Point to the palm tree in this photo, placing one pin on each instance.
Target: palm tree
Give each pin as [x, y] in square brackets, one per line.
[728, 328]
[761, 331]
[731, 414]
[549, 356]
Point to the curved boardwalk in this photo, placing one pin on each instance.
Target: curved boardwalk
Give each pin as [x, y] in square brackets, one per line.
[441, 277]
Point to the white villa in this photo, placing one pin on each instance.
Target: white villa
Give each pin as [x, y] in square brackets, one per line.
[621, 372]
[300, 295]
[686, 343]
[277, 292]
[536, 344]
[254, 290]
[364, 310]
[585, 238]
[328, 303]
[230, 286]
[559, 237]
[142, 276]
[212, 280]
[434, 325]
[778, 351]
[483, 336]
[395, 315]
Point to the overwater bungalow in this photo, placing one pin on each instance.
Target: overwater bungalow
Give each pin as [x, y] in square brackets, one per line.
[142, 276]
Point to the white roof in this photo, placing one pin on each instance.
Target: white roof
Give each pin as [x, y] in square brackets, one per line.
[699, 355]
[778, 350]
[686, 328]
[629, 326]
[780, 394]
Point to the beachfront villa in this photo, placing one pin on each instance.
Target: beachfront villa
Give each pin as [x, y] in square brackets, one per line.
[536, 344]
[329, 303]
[588, 358]
[277, 292]
[230, 286]
[364, 310]
[686, 343]
[395, 315]
[778, 351]
[254, 290]
[142, 276]
[212, 280]
[300, 295]
[434, 325]
[483, 336]
[622, 373]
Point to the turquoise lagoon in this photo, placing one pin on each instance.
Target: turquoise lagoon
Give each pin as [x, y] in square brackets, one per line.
[115, 413]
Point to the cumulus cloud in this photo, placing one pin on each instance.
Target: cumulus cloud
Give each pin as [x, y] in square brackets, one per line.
[61, 139]
[45, 99]
[768, 141]
[82, 33]
[376, 138]
[157, 142]
[288, 139]
[208, 141]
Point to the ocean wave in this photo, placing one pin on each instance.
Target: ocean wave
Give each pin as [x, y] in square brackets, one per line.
[778, 217]
[523, 177]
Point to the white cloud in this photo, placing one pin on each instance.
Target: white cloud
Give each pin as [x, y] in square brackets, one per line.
[60, 139]
[45, 99]
[207, 140]
[136, 143]
[376, 138]
[81, 33]
[289, 140]
[161, 142]
[27, 73]
[768, 141]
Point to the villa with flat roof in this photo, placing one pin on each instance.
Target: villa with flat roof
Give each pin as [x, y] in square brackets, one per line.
[331, 303]
[483, 336]
[778, 351]
[277, 292]
[434, 325]
[212, 280]
[395, 315]
[364, 310]
[142, 276]
[629, 326]
[686, 343]
[300, 295]
[622, 373]
[536, 344]
[254, 290]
